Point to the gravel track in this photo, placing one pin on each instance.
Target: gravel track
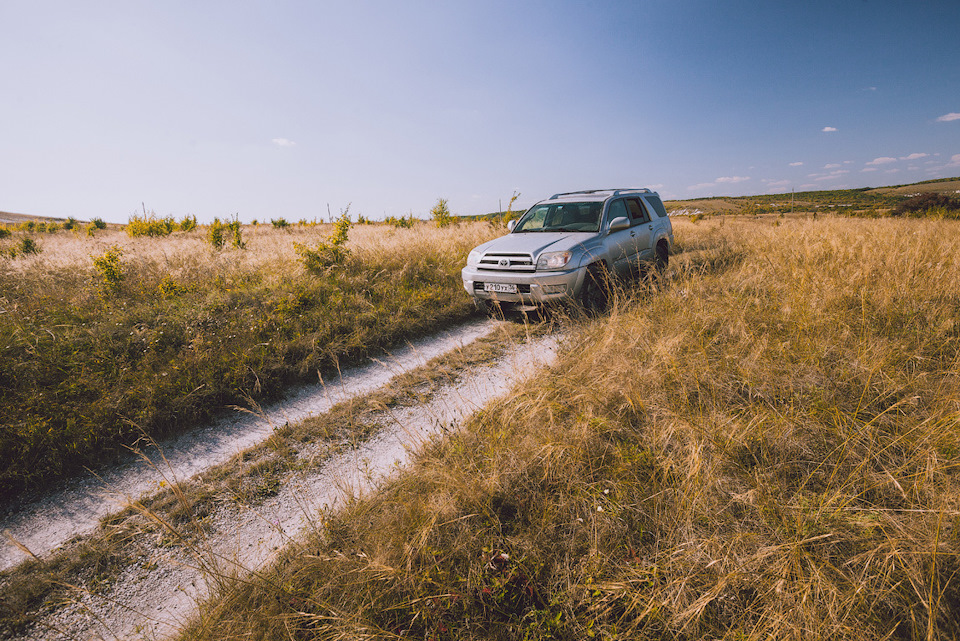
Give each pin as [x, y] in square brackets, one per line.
[154, 596]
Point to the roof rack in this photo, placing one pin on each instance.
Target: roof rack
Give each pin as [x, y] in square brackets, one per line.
[616, 192]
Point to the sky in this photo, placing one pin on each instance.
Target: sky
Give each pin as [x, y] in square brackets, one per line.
[294, 109]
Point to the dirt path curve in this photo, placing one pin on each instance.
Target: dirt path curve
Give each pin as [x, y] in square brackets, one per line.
[76, 510]
[153, 597]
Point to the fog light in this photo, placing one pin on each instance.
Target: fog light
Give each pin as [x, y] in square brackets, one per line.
[554, 289]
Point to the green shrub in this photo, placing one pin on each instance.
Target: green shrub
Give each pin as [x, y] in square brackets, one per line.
[236, 233]
[215, 234]
[110, 269]
[4, 232]
[404, 222]
[70, 224]
[28, 247]
[279, 223]
[441, 213]
[98, 223]
[188, 223]
[150, 225]
[329, 252]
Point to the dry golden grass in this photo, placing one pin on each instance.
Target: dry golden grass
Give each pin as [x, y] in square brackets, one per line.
[764, 446]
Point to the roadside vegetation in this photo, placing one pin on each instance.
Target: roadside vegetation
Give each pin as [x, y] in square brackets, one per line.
[764, 445]
[108, 338]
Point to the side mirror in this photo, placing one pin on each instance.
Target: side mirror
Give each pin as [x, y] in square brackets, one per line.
[513, 223]
[619, 223]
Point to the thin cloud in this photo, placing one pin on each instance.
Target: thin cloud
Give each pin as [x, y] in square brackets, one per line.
[949, 117]
[796, 164]
[914, 156]
[722, 180]
[954, 161]
[283, 142]
[882, 160]
[829, 129]
[832, 165]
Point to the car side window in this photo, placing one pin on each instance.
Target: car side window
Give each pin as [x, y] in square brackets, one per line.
[638, 213]
[617, 209]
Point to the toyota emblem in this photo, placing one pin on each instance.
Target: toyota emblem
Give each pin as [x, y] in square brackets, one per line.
[504, 262]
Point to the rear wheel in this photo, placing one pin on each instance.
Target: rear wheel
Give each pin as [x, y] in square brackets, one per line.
[663, 258]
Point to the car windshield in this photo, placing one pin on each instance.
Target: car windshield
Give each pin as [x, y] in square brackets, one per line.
[561, 217]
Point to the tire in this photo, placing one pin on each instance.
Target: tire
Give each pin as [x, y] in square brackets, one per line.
[593, 296]
[662, 259]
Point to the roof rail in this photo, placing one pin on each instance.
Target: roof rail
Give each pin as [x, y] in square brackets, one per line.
[616, 192]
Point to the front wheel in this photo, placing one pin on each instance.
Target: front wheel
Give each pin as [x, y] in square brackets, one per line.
[593, 292]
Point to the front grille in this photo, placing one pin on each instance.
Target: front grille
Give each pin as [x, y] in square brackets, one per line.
[507, 262]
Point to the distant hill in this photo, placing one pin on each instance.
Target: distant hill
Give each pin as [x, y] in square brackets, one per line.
[7, 217]
[865, 200]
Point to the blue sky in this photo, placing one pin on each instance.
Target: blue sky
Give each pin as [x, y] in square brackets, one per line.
[284, 108]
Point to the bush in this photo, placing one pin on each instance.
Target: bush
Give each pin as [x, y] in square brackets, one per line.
[279, 223]
[927, 204]
[70, 224]
[441, 213]
[215, 234]
[98, 223]
[235, 231]
[4, 232]
[26, 247]
[329, 252]
[150, 225]
[404, 222]
[188, 223]
[110, 269]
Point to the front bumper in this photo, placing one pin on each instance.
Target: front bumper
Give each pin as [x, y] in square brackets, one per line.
[536, 288]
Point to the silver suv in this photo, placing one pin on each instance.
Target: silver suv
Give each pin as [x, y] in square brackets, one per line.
[564, 248]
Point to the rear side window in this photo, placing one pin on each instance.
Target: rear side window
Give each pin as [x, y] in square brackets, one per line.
[656, 205]
[638, 213]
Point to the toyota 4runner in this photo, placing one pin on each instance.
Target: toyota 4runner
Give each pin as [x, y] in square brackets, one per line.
[566, 246]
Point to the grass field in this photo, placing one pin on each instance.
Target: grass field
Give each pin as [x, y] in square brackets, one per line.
[106, 338]
[764, 446]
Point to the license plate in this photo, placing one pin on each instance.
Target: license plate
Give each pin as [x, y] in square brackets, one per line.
[502, 288]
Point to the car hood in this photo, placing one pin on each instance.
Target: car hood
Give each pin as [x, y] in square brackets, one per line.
[536, 242]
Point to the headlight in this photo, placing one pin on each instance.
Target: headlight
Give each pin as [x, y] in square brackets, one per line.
[553, 260]
[473, 258]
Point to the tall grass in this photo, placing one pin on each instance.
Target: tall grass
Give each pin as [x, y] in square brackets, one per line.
[102, 339]
[764, 446]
